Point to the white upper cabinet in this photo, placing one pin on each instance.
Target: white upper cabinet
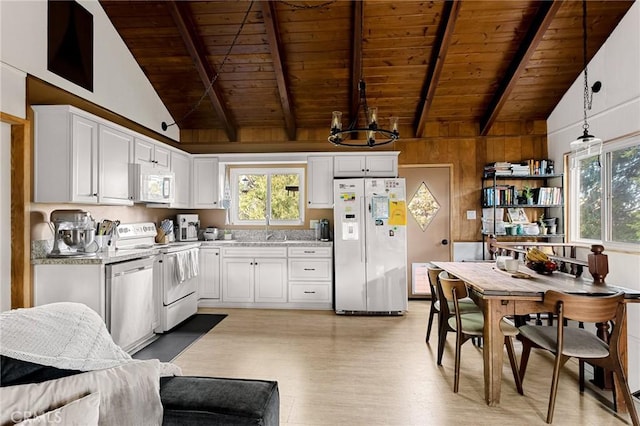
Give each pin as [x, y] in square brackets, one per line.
[150, 152]
[205, 183]
[181, 168]
[114, 153]
[320, 182]
[78, 159]
[84, 160]
[365, 165]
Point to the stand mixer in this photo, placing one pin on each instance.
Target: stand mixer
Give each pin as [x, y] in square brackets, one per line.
[74, 231]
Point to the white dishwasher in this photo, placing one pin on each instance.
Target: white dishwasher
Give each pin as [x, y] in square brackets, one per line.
[131, 309]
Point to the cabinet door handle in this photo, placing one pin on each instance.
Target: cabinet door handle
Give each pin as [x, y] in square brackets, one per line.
[309, 269]
[309, 251]
[309, 292]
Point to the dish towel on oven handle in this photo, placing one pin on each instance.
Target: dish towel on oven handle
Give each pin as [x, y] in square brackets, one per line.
[187, 264]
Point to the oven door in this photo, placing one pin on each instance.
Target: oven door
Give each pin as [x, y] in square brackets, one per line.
[173, 290]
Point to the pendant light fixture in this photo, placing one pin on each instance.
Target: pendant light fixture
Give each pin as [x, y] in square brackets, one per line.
[586, 143]
[375, 134]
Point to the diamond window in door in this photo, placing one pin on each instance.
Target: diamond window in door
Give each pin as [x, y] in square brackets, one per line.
[423, 206]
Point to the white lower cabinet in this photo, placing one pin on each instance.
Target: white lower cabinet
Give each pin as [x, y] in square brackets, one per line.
[297, 277]
[209, 277]
[310, 276]
[254, 275]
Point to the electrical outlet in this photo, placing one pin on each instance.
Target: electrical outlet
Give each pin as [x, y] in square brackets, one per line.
[313, 223]
[471, 214]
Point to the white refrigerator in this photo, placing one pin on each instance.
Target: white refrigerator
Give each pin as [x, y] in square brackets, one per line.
[370, 246]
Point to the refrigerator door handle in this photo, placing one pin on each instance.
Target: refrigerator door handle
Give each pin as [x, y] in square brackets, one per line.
[361, 224]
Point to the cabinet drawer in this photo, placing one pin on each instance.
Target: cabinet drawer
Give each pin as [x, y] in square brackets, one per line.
[309, 292]
[309, 269]
[310, 251]
[254, 252]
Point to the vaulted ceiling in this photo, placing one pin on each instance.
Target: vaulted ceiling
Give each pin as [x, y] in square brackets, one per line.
[287, 64]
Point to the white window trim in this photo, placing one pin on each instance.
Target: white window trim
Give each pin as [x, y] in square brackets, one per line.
[605, 185]
[235, 172]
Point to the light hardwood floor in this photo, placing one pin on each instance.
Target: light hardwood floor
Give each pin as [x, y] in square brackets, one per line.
[348, 370]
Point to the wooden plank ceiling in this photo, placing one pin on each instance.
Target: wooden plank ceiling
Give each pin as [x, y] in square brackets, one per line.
[287, 64]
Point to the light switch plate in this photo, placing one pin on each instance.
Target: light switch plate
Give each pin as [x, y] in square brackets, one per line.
[471, 214]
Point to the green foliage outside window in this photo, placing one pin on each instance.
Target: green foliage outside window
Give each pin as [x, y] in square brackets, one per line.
[625, 191]
[590, 199]
[622, 205]
[278, 194]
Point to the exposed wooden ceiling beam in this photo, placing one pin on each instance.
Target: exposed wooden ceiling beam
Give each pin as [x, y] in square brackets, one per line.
[538, 27]
[356, 62]
[181, 16]
[275, 45]
[438, 54]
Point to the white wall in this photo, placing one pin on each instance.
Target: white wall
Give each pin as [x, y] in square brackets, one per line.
[12, 99]
[119, 83]
[615, 113]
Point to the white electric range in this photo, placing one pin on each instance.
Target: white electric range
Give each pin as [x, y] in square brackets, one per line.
[175, 272]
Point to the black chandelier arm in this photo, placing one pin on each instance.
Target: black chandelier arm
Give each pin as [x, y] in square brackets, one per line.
[336, 137]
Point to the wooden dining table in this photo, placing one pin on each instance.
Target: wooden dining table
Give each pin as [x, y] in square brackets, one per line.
[500, 294]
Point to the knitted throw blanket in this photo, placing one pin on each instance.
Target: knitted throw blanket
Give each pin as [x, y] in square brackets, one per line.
[63, 335]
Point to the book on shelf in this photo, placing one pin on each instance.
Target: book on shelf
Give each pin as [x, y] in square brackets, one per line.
[530, 167]
[548, 196]
[499, 195]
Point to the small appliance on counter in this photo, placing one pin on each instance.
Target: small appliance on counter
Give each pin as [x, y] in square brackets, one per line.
[187, 227]
[211, 234]
[325, 230]
[73, 234]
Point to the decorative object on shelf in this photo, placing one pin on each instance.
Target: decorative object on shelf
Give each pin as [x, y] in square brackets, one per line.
[598, 264]
[517, 215]
[542, 225]
[587, 144]
[527, 193]
[372, 130]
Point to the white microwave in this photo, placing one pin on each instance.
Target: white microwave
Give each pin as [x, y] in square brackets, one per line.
[150, 185]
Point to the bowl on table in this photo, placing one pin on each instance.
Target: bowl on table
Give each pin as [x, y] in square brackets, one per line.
[540, 267]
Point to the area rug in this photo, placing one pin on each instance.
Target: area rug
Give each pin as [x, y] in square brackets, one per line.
[169, 345]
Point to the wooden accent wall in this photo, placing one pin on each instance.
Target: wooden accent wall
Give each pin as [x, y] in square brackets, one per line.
[455, 143]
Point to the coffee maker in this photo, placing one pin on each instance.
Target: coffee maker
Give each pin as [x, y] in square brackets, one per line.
[187, 227]
[73, 233]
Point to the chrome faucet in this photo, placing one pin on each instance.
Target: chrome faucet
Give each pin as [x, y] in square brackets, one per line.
[266, 231]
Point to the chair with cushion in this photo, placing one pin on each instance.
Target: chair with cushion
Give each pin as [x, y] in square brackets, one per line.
[445, 311]
[567, 342]
[468, 325]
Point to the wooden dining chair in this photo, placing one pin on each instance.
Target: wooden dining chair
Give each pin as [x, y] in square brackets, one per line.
[434, 309]
[572, 342]
[468, 325]
[444, 312]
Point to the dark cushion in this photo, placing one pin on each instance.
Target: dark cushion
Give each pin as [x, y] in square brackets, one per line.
[189, 400]
[16, 372]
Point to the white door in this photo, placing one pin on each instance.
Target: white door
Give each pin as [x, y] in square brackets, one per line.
[386, 251]
[114, 154]
[428, 220]
[237, 279]
[209, 277]
[270, 279]
[84, 178]
[181, 167]
[348, 245]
